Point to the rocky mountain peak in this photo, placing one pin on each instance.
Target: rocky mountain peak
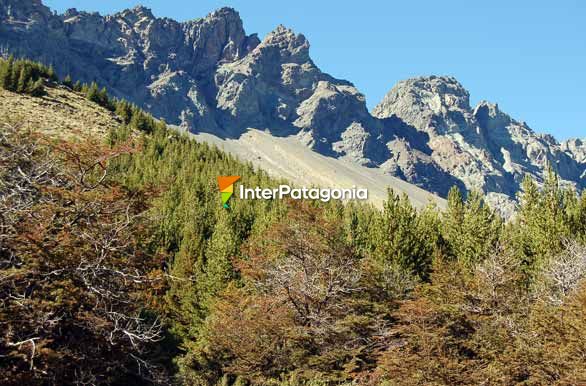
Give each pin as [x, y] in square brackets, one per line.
[221, 29]
[577, 148]
[489, 117]
[71, 12]
[24, 12]
[228, 13]
[434, 93]
[488, 108]
[226, 18]
[16, 6]
[137, 13]
[435, 104]
[289, 47]
[482, 147]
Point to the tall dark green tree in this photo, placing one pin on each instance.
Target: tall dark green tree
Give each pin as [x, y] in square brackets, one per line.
[93, 93]
[399, 237]
[52, 75]
[6, 75]
[543, 223]
[23, 79]
[470, 228]
[37, 88]
[68, 81]
[453, 218]
[77, 86]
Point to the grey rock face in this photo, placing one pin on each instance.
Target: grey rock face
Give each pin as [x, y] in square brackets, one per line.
[207, 75]
[277, 87]
[160, 64]
[482, 146]
[25, 15]
[576, 148]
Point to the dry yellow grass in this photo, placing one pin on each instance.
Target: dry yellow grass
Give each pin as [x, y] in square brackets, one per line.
[61, 113]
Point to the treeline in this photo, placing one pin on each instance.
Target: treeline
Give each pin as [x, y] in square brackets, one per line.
[287, 293]
[131, 115]
[29, 77]
[25, 76]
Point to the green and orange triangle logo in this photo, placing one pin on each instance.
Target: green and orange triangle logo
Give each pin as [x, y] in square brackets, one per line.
[226, 184]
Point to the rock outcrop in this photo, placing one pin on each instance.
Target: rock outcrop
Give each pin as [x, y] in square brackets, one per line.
[208, 75]
[576, 148]
[482, 146]
[165, 66]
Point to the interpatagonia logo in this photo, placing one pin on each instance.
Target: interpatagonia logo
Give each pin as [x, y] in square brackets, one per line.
[303, 193]
[226, 184]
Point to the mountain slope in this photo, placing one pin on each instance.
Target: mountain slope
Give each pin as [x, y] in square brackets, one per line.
[481, 146]
[289, 159]
[209, 76]
[63, 113]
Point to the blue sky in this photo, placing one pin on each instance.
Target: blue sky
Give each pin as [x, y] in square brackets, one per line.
[528, 56]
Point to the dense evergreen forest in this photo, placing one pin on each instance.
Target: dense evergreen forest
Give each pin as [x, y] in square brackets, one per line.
[119, 266]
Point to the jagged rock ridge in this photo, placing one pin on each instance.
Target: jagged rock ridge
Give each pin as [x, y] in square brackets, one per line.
[208, 75]
[481, 146]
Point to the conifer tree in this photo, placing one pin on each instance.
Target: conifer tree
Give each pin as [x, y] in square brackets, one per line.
[470, 228]
[221, 249]
[68, 81]
[93, 93]
[7, 75]
[579, 217]
[141, 122]
[23, 79]
[103, 98]
[37, 89]
[15, 73]
[396, 237]
[480, 230]
[4, 73]
[124, 111]
[453, 219]
[51, 75]
[543, 224]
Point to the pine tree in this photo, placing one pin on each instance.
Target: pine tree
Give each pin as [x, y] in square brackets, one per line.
[396, 238]
[579, 219]
[23, 79]
[544, 222]
[78, 86]
[68, 81]
[15, 75]
[3, 73]
[470, 228]
[7, 79]
[104, 99]
[51, 75]
[219, 252]
[453, 219]
[124, 111]
[93, 93]
[140, 121]
[480, 230]
[37, 89]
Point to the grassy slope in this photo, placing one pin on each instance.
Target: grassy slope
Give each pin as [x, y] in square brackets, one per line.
[59, 113]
